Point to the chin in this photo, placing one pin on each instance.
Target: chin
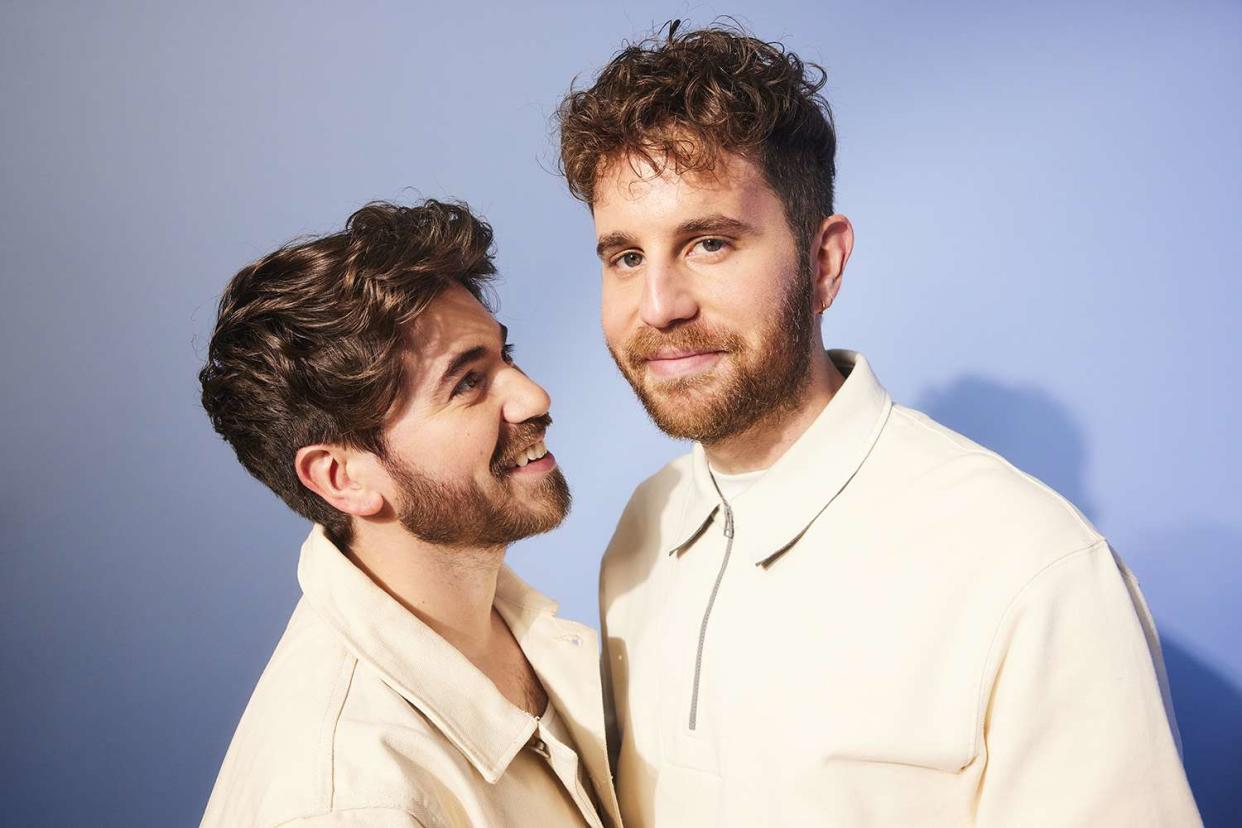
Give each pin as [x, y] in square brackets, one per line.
[684, 414]
[547, 507]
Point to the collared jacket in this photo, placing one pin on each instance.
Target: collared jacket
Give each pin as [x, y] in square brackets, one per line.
[892, 626]
[366, 717]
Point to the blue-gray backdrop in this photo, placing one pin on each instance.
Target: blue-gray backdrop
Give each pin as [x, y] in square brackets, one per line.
[1045, 197]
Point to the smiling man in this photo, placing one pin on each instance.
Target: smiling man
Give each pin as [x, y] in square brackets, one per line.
[833, 611]
[361, 377]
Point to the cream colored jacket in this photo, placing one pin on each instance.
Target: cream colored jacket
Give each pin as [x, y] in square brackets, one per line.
[892, 627]
[365, 717]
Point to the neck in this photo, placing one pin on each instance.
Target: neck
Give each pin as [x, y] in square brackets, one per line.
[451, 590]
[765, 442]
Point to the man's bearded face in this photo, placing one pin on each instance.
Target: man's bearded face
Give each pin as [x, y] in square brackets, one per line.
[708, 295]
[745, 385]
[473, 514]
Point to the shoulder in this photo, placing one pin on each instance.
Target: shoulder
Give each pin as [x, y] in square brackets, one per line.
[653, 511]
[279, 761]
[977, 496]
[653, 496]
[325, 741]
[962, 524]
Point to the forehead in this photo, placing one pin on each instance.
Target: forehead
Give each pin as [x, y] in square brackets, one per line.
[453, 322]
[630, 190]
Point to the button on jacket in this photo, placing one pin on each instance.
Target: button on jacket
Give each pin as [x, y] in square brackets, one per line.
[366, 717]
[891, 627]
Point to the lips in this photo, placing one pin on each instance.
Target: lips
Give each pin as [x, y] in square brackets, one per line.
[680, 353]
[536, 451]
[690, 347]
[529, 436]
[682, 363]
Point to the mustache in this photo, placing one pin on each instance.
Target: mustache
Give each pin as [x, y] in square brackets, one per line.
[647, 342]
[516, 439]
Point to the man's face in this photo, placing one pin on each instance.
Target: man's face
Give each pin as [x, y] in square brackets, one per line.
[465, 451]
[706, 309]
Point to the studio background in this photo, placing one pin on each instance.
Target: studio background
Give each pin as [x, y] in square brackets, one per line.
[1045, 198]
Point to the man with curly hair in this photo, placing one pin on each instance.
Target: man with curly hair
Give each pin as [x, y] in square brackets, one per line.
[362, 378]
[833, 610]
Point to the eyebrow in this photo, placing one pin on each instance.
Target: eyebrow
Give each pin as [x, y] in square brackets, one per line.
[714, 223]
[466, 357]
[612, 241]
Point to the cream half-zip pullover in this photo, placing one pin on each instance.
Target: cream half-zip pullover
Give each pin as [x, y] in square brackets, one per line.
[891, 627]
[366, 717]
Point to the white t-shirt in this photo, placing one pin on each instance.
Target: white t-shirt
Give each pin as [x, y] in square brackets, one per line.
[732, 485]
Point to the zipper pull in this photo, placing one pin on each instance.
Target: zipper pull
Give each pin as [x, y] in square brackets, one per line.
[728, 521]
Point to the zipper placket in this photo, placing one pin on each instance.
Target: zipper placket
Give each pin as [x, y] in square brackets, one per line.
[698, 656]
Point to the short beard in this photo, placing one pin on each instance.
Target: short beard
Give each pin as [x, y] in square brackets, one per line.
[761, 389]
[467, 516]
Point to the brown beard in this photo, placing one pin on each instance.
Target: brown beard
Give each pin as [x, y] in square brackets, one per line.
[765, 383]
[468, 515]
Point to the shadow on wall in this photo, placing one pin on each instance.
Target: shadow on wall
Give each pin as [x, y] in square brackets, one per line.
[1040, 436]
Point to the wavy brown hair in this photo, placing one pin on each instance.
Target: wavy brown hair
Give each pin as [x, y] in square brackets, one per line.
[682, 98]
[309, 341]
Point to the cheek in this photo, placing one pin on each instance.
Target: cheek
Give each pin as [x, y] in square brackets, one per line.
[477, 441]
[618, 309]
[743, 304]
[458, 450]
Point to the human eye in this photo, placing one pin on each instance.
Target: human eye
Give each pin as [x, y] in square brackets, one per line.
[468, 383]
[711, 245]
[628, 260]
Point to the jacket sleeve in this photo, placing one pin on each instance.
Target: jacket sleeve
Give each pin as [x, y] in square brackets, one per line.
[1076, 726]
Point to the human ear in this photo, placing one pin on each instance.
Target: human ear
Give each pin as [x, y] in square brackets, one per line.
[832, 245]
[326, 471]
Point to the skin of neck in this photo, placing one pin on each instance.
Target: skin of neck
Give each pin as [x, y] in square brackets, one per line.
[452, 590]
[765, 442]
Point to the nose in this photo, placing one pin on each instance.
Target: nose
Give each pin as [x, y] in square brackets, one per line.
[666, 298]
[523, 398]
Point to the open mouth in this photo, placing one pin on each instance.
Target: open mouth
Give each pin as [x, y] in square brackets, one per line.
[532, 454]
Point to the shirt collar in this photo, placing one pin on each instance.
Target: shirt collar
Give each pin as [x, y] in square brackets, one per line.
[416, 662]
[773, 514]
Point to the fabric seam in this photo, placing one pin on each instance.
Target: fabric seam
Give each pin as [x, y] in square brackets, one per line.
[980, 701]
[422, 818]
[338, 701]
[983, 451]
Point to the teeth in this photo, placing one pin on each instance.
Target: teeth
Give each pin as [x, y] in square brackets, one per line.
[535, 452]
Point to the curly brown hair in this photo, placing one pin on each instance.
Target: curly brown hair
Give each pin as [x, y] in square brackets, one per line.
[309, 341]
[685, 97]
